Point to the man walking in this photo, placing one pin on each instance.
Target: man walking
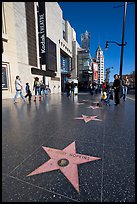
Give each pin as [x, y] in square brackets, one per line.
[116, 86]
[18, 87]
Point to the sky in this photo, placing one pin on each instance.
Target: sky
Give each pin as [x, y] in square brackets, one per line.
[104, 22]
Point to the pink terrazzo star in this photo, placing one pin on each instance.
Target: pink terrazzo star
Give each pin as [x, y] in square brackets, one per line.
[85, 100]
[80, 103]
[94, 107]
[88, 118]
[66, 160]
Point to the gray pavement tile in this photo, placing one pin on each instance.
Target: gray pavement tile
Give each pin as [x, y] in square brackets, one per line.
[118, 175]
[16, 190]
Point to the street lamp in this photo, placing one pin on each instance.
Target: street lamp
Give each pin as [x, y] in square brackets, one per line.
[122, 44]
[107, 42]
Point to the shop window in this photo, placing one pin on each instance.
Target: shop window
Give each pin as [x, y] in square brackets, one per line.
[4, 76]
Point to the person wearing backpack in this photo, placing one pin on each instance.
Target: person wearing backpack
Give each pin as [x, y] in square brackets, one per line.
[36, 87]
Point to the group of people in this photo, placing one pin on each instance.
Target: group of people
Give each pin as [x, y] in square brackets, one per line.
[120, 87]
[94, 88]
[70, 88]
[39, 87]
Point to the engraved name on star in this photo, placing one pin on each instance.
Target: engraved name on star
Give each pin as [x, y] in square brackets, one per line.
[66, 161]
[94, 107]
[88, 118]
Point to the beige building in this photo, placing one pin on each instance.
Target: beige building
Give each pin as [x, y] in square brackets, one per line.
[99, 58]
[36, 42]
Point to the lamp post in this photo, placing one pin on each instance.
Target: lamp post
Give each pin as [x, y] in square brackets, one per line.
[123, 33]
[122, 44]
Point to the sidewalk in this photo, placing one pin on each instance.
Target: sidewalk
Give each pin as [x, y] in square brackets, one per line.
[29, 131]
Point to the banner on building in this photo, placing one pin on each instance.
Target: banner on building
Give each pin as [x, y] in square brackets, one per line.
[95, 71]
[42, 32]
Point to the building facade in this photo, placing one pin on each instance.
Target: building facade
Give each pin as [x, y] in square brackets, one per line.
[85, 40]
[99, 58]
[84, 68]
[36, 41]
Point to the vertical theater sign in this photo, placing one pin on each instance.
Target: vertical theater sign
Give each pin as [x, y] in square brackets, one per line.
[47, 48]
[42, 32]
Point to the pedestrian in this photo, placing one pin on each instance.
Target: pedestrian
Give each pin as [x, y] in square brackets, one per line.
[68, 88]
[96, 88]
[36, 87]
[18, 87]
[28, 92]
[91, 88]
[47, 90]
[116, 87]
[42, 88]
[125, 84]
[72, 88]
[103, 87]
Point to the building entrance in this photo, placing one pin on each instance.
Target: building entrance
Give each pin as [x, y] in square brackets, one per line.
[64, 79]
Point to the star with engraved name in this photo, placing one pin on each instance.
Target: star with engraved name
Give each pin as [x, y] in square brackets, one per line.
[85, 100]
[88, 118]
[94, 107]
[66, 160]
[80, 103]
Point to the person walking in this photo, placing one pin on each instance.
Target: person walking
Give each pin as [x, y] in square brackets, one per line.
[116, 86]
[28, 92]
[72, 88]
[36, 87]
[68, 88]
[125, 84]
[18, 87]
[42, 88]
[91, 88]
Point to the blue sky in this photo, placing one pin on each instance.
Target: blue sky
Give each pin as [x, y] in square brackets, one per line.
[104, 23]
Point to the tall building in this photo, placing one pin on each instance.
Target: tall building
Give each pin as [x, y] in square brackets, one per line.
[32, 48]
[85, 40]
[84, 67]
[99, 58]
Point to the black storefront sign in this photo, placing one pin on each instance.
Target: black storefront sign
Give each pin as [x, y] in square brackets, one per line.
[51, 55]
[42, 72]
[42, 32]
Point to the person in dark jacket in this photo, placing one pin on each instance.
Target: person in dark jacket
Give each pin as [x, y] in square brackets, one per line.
[68, 88]
[28, 92]
[72, 88]
[116, 87]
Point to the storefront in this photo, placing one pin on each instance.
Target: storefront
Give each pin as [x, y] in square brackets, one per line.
[65, 69]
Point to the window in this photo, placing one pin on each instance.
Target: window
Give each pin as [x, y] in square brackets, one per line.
[4, 77]
[64, 29]
[4, 29]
